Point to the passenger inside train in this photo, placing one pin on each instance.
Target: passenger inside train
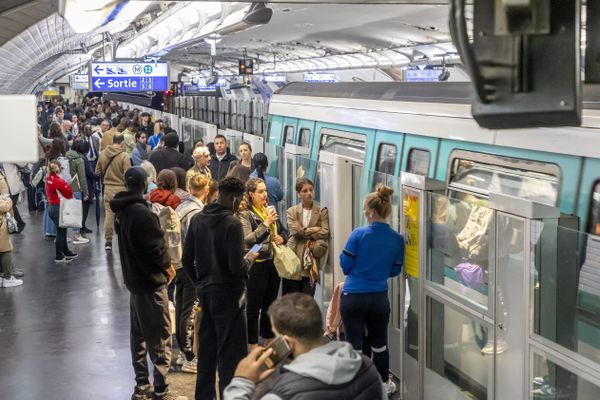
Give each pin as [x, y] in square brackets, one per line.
[300, 200]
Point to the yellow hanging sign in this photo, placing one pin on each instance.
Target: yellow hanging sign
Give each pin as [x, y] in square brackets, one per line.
[411, 235]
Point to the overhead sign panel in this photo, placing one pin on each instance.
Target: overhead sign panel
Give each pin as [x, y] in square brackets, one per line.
[80, 82]
[129, 77]
[321, 77]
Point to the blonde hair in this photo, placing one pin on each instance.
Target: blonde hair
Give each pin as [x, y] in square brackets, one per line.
[55, 166]
[150, 170]
[198, 183]
[380, 200]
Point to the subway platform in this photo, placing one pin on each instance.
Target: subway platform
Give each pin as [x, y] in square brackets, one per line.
[65, 331]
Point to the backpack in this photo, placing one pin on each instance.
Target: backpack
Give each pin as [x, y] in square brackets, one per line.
[65, 170]
[171, 226]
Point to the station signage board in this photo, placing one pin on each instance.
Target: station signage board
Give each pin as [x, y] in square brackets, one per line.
[275, 78]
[422, 75]
[321, 77]
[128, 76]
[80, 82]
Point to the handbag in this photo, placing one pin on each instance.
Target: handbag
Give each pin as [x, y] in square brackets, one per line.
[286, 262]
[310, 264]
[71, 213]
[11, 223]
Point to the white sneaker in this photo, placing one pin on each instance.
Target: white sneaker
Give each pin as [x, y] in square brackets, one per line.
[190, 366]
[180, 359]
[390, 387]
[80, 240]
[11, 282]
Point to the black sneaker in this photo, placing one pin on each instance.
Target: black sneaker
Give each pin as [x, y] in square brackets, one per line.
[142, 392]
[70, 256]
[85, 230]
[108, 246]
[167, 396]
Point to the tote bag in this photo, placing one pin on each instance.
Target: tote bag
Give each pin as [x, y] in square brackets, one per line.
[286, 262]
[71, 213]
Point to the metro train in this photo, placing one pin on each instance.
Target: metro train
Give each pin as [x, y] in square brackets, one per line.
[427, 129]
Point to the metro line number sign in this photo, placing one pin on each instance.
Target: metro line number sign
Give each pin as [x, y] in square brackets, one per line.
[128, 76]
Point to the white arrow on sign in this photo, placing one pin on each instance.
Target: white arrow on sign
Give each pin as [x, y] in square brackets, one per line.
[99, 83]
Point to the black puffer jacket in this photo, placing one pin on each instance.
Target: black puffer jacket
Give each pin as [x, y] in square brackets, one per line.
[142, 248]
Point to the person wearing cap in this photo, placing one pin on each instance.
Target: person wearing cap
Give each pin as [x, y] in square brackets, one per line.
[147, 271]
[168, 157]
[201, 157]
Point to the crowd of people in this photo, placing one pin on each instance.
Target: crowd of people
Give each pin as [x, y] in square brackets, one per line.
[199, 227]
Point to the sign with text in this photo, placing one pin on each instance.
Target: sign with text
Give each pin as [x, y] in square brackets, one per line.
[129, 77]
[80, 82]
[410, 203]
[321, 77]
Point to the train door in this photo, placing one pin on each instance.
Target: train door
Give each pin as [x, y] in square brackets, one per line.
[296, 164]
[289, 130]
[306, 133]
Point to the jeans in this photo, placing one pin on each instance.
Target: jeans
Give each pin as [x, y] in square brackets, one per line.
[221, 341]
[60, 243]
[370, 311]
[150, 334]
[263, 287]
[49, 225]
[185, 297]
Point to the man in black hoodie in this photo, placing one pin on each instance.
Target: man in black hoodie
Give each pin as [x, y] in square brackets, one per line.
[147, 271]
[213, 257]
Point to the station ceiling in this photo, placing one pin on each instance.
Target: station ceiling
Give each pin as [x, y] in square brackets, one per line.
[37, 45]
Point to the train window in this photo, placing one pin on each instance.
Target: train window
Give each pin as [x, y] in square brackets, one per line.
[304, 140]
[386, 159]
[418, 161]
[594, 218]
[480, 174]
[348, 144]
[288, 134]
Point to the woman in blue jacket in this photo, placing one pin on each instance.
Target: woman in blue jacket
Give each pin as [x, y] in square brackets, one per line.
[372, 254]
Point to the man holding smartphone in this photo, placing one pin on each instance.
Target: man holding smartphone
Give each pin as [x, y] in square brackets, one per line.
[213, 257]
[147, 271]
[327, 370]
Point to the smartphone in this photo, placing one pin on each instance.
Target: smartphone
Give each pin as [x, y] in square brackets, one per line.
[281, 351]
[256, 248]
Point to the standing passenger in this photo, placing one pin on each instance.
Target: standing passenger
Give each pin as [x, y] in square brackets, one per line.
[219, 164]
[79, 181]
[371, 256]
[309, 228]
[213, 257]
[111, 167]
[261, 226]
[55, 185]
[147, 271]
[201, 162]
[7, 278]
[246, 155]
[140, 153]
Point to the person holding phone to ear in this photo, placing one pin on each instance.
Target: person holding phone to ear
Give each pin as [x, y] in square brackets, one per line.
[327, 370]
[261, 227]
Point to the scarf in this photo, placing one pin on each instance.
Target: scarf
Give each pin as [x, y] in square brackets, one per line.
[143, 150]
[262, 213]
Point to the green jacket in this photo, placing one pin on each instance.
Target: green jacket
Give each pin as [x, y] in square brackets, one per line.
[77, 169]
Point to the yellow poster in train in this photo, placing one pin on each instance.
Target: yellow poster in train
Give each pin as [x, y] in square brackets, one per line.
[411, 235]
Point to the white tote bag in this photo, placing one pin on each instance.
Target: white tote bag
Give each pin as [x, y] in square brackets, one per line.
[71, 213]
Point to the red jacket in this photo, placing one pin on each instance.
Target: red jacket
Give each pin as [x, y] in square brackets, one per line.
[54, 185]
[165, 198]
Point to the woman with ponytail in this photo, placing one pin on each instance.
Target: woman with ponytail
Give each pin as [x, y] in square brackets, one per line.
[56, 187]
[261, 162]
[372, 254]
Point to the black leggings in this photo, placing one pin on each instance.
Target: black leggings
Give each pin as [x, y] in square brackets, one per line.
[263, 287]
[370, 311]
[301, 286]
[60, 243]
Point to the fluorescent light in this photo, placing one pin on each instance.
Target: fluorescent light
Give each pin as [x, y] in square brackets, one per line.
[108, 15]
